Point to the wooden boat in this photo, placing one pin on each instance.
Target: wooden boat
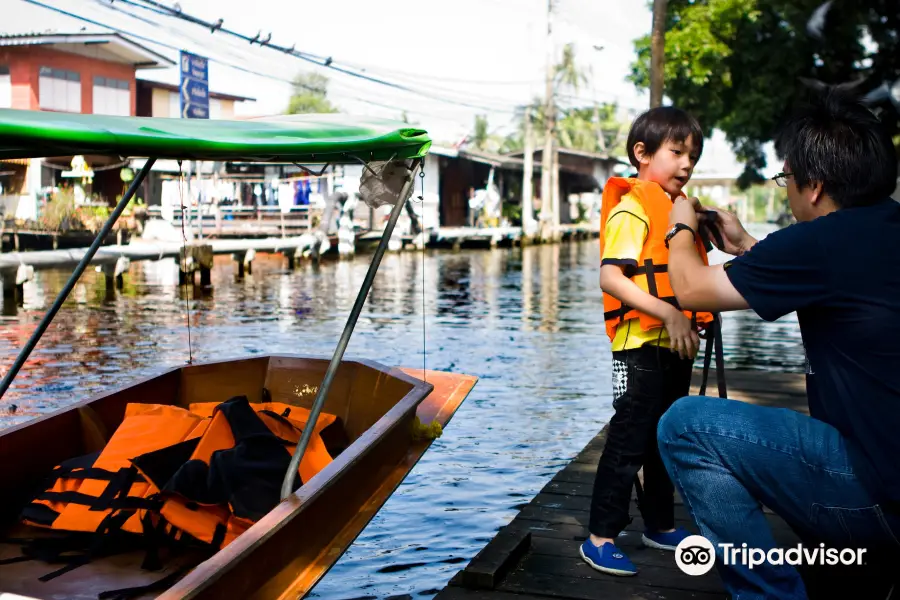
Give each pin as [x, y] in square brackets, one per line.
[381, 409]
[289, 550]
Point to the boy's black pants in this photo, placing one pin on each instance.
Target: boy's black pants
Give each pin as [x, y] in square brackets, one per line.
[646, 381]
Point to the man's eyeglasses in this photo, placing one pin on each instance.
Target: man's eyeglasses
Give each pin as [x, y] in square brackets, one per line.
[781, 179]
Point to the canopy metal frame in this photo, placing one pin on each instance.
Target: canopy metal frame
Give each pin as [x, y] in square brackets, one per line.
[291, 475]
[26, 350]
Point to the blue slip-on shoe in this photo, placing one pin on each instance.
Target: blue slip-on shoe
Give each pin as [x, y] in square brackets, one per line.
[664, 541]
[607, 559]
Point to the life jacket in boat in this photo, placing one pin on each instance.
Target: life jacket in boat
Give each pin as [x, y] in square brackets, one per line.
[651, 274]
[209, 472]
[233, 476]
[104, 491]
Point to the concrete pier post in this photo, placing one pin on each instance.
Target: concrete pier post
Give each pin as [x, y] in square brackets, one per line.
[204, 258]
[248, 258]
[115, 272]
[185, 266]
[244, 262]
[10, 289]
[193, 258]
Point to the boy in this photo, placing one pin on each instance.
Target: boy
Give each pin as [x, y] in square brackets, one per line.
[653, 341]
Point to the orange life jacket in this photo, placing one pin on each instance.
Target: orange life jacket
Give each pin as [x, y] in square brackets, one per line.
[651, 274]
[218, 520]
[91, 493]
[209, 472]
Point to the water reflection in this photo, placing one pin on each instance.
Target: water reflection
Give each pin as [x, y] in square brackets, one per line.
[528, 322]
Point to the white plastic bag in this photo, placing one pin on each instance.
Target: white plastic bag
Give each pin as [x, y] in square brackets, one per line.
[382, 182]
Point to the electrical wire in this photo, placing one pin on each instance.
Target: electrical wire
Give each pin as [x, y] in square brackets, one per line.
[327, 63]
[231, 65]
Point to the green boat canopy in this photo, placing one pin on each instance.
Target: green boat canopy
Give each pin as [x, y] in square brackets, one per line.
[332, 138]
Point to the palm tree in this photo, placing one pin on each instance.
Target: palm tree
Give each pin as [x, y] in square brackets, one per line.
[481, 135]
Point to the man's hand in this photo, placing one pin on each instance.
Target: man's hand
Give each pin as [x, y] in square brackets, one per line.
[684, 210]
[683, 338]
[735, 237]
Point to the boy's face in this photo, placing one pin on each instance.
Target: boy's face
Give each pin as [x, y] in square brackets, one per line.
[671, 166]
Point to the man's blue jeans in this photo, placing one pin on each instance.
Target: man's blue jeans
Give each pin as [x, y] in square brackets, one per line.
[727, 458]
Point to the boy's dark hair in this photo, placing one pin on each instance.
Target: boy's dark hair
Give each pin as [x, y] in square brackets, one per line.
[834, 139]
[660, 124]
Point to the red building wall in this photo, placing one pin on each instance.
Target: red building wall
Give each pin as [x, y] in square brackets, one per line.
[25, 63]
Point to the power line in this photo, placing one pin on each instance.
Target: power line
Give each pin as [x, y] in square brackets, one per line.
[447, 94]
[234, 66]
[326, 63]
[148, 40]
[358, 66]
[250, 71]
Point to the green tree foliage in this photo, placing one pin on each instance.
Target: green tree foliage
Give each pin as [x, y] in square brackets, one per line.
[481, 136]
[310, 95]
[590, 128]
[738, 65]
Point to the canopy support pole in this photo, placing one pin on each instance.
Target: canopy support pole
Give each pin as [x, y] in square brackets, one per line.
[73, 279]
[288, 484]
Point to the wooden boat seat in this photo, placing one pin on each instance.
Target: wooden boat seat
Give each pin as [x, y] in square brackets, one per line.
[85, 582]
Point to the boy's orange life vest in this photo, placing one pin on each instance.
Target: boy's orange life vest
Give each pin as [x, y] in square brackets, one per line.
[651, 274]
[210, 472]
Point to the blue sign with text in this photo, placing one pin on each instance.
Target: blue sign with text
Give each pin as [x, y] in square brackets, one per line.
[194, 88]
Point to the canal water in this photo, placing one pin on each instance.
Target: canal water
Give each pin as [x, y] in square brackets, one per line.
[527, 322]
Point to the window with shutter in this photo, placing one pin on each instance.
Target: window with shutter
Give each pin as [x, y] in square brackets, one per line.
[5, 88]
[111, 97]
[59, 89]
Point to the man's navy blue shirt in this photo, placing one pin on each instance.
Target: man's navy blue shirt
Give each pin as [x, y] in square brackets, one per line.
[841, 274]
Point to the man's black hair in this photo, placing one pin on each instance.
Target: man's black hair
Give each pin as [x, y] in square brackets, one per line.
[663, 123]
[833, 139]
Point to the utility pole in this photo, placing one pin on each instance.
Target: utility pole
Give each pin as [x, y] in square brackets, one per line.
[547, 216]
[528, 176]
[555, 194]
[657, 52]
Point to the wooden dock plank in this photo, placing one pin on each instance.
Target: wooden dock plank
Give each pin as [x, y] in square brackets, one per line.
[503, 552]
[536, 555]
[651, 575]
[575, 588]
[460, 593]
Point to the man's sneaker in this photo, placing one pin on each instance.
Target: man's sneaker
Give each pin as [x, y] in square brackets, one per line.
[664, 541]
[607, 559]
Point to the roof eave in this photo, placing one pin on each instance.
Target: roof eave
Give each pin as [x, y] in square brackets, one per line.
[151, 59]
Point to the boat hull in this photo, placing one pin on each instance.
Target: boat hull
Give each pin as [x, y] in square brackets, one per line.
[286, 552]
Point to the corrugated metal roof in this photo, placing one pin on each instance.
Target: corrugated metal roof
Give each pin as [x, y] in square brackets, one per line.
[120, 46]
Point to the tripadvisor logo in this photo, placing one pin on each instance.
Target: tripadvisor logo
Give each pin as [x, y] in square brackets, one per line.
[696, 555]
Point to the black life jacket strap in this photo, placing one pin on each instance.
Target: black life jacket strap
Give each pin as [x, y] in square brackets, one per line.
[40, 514]
[77, 561]
[623, 310]
[280, 418]
[83, 473]
[114, 496]
[714, 339]
[219, 536]
[708, 229]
